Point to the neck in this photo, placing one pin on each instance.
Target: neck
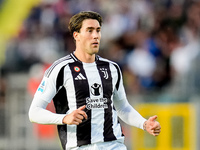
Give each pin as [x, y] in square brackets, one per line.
[84, 57]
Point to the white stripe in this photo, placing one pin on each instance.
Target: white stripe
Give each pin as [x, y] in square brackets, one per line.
[97, 115]
[73, 56]
[79, 77]
[82, 76]
[71, 96]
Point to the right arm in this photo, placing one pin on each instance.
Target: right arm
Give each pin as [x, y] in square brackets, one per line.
[43, 96]
[39, 114]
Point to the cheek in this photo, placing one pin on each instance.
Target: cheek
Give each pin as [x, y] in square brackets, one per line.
[85, 43]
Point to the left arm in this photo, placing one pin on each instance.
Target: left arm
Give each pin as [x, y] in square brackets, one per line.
[129, 115]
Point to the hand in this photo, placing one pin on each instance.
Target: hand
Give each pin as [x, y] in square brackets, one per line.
[152, 126]
[76, 116]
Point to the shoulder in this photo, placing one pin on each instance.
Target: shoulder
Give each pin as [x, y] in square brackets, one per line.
[108, 61]
[58, 64]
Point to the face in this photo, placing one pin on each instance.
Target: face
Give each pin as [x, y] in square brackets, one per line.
[88, 39]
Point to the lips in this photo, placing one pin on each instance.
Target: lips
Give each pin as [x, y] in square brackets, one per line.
[95, 43]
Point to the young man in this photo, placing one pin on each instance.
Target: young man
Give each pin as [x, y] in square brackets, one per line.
[88, 94]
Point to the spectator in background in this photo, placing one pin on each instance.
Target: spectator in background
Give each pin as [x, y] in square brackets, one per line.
[134, 16]
[182, 57]
[185, 57]
[141, 62]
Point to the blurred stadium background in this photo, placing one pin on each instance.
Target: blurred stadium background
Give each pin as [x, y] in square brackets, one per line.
[155, 42]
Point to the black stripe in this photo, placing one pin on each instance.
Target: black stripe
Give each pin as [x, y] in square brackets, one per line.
[82, 92]
[62, 132]
[119, 77]
[61, 105]
[60, 78]
[60, 99]
[117, 84]
[106, 78]
[74, 57]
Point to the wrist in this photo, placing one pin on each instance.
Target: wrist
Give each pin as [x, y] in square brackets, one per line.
[144, 125]
[64, 119]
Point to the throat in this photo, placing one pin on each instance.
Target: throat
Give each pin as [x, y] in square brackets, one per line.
[85, 57]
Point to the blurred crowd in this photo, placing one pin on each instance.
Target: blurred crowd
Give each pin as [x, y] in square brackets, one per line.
[153, 41]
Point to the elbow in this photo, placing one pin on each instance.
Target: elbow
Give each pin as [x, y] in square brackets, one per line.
[31, 115]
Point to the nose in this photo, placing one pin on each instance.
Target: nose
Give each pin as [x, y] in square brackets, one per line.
[96, 35]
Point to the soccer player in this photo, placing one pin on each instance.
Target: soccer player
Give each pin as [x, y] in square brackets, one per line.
[88, 94]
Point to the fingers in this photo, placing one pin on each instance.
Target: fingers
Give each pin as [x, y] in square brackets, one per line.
[152, 123]
[153, 118]
[76, 117]
[155, 132]
[82, 107]
[152, 126]
[155, 125]
[83, 113]
[79, 115]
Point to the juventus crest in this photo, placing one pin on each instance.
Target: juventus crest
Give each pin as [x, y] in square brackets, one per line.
[104, 70]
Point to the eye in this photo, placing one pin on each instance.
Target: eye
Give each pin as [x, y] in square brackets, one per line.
[98, 30]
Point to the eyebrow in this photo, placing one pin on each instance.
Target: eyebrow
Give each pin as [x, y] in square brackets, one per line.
[92, 28]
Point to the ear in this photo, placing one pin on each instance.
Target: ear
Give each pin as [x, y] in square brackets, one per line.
[75, 35]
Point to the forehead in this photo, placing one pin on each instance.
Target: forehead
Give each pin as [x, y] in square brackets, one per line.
[88, 23]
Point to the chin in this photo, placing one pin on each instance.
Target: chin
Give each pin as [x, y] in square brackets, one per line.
[95, 50]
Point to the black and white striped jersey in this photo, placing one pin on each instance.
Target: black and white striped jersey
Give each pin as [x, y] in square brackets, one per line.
[72, 84]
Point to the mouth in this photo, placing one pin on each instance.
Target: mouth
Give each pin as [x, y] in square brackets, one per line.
[95, 43]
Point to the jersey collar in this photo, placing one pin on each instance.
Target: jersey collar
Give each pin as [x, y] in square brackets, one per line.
[76, 59]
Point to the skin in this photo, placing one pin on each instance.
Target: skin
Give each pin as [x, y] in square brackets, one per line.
[152, 126]
[75, 117]
[87, 40]
[87, 45]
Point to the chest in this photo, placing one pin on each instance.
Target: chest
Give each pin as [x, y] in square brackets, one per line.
[90, 80]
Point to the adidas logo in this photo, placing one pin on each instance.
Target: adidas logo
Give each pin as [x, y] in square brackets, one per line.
[80, 77]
